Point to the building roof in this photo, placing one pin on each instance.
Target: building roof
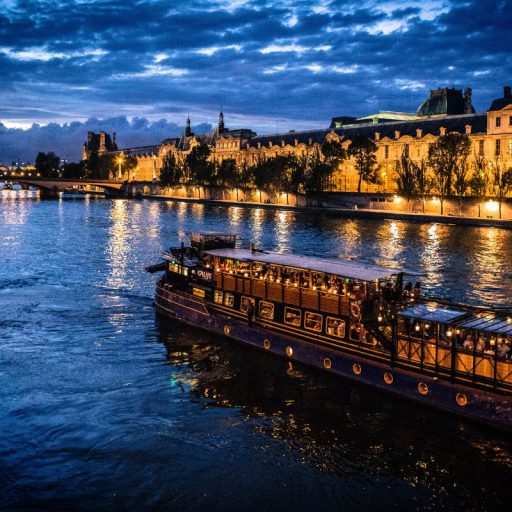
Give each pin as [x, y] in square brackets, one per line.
[353, 270]
[432, 126]
[489, 322]
[445, 101]
[500, 103]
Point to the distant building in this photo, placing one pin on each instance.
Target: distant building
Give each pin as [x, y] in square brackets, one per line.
[395, 133]
[100, 143]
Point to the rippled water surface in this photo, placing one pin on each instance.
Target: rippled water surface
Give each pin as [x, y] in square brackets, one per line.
[104, 406]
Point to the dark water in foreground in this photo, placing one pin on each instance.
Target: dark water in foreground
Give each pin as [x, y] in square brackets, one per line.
[104, 406]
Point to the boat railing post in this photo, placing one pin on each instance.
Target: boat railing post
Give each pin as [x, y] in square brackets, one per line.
[437, 345]
[495, 374]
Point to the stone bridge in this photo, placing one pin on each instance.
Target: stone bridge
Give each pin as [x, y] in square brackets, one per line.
[53, 186]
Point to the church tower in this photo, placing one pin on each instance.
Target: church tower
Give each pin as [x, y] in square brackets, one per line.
[188, 131]
[221, 123]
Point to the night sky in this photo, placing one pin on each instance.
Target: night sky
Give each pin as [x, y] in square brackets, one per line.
[139, 67]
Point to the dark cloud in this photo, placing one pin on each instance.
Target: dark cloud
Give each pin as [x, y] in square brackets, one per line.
[295, 62]
[66, 140]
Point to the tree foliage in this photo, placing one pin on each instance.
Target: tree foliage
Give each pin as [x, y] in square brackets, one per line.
[406, 178]
[171, 173]
[447, 158]
[198, 166]
[362, 150]
[479, 181]
[500, 181]
[47, 164]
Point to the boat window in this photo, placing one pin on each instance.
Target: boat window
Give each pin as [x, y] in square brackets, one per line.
[313, 321]
[335, 327]
[267, 310]
[292, 316]
[244, 303]
[403, 326]
[229, 299]
[355, 332]
[217, 297]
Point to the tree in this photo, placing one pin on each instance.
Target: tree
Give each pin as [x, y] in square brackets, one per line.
[295, 176]
[227, 173]
[198, 165]
[501, 181]
[363, 149]
[47, 164]
[73, 170]
[317, 174]
[479, 182]
[447, 157]
[406, 178]
[171, 173]
[423, 182]
[334, 154]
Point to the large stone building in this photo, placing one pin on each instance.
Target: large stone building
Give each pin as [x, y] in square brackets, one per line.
[446, 110]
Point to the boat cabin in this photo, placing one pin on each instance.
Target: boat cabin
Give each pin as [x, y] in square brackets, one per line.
[462, 343]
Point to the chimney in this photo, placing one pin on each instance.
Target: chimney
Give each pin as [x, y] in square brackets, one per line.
[507, 91]
[442, 131]
[377, 136]
[419, 133]
[468, 95]
[468, 129]
[397, 134]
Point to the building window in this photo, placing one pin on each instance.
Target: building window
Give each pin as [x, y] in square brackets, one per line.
[510, 147]
[244, 304]
[386, 152]
[406, 150]
[498, 147]
[229, 299]
[335, 327]
[267, 310]
[292, 316]
[498, 122]
[510, 121]
[481, 147]
[313, 321]
[217, 297]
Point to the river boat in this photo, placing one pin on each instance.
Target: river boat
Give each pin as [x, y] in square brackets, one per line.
[348, 318]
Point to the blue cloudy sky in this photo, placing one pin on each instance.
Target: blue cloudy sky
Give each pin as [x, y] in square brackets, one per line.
[140, 66]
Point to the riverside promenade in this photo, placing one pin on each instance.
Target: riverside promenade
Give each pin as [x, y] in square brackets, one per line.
[354, 212]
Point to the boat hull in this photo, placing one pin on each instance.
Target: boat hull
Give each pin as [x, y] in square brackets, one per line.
[479, 405]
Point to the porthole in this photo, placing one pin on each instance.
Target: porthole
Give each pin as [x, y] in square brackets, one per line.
[461, 399]
[327, 363]
[289, 351]
[388, 378]
[422, 388]
[227, 330]
[266, 344]
[356, 368]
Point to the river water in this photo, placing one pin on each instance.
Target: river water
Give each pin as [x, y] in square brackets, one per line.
[106, 406]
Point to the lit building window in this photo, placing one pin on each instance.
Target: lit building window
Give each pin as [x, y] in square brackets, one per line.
[386, 152]
[498, 147]
[481, 147]
[510, 147]
[498, 122]
[406, 150]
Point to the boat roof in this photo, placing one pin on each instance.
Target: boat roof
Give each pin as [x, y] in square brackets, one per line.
[359, 271]
[490, 322]
[433, 313]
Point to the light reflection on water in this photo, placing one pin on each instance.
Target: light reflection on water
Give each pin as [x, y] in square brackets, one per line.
[106, 406]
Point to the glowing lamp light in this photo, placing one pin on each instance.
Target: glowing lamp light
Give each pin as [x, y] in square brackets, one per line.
[417, 327]
[491, 206]
[397, 199]
[427, 326]
[435, 200]
[379, 318]
[449, 333]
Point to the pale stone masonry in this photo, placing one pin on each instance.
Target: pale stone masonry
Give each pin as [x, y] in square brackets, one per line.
[445, 111]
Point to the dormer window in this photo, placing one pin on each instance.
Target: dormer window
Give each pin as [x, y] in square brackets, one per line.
[510, 121]
[498, 122]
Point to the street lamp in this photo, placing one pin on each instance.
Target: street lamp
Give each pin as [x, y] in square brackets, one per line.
[120, 162]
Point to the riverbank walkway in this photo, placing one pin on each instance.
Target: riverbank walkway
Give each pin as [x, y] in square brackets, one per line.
[350, 212]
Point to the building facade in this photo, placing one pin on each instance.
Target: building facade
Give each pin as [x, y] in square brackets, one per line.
[395, 134]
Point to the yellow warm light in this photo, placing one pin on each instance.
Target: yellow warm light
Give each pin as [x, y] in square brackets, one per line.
[397, 199]
[435, 200]
[491, 206]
